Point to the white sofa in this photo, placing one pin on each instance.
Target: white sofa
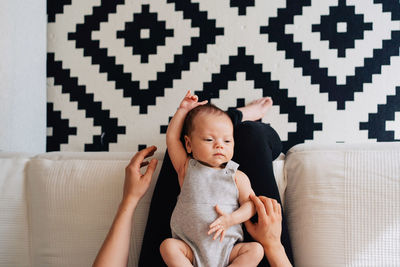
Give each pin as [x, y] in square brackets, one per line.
[342, 203]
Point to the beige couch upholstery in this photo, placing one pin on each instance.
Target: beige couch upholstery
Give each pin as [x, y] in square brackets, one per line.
[342, 203]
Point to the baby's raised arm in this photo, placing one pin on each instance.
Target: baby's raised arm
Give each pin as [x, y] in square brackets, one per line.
[176, 150]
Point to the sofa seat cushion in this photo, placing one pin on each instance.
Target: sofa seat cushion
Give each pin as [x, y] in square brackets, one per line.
[343, 204]
[73, 198]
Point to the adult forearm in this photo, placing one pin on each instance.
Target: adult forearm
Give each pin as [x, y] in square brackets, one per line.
[276, 255]
[115, 249]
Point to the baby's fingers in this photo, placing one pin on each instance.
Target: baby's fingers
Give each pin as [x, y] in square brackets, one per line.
[213, 229]
[188, 94]
[222, 236]
[203, 102]
[218, 233]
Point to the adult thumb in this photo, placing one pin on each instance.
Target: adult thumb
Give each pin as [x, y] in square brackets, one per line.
[250, 227]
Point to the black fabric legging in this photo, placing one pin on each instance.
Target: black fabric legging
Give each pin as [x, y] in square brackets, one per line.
[256, 146]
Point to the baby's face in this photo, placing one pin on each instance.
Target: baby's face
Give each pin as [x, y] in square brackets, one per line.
[211, 141]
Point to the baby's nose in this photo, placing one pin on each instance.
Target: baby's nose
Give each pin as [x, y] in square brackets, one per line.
[219, 145]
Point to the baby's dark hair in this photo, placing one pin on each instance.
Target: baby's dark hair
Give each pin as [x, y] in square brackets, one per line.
[207, 108]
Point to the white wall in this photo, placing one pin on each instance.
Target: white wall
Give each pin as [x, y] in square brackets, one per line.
[23, 75]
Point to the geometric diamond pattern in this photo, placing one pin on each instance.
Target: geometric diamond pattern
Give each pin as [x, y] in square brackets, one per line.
[117, 70]
[145, 46]
[123, 80]
[340, 93]
[342, 40]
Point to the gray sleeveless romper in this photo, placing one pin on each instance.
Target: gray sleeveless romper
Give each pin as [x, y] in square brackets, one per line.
[203, 188]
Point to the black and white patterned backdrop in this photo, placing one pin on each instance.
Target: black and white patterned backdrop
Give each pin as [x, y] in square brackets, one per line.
[118, 69]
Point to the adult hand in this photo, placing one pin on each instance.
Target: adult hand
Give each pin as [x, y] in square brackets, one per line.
[136, 183]
[268, 229]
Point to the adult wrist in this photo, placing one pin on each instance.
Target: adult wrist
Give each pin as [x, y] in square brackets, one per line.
[273, 247]
[276, 254]
[129, 203]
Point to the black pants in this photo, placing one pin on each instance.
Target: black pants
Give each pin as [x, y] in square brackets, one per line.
[256, 146]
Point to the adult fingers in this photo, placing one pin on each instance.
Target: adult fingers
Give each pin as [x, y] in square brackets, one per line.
[260, 208]
[141, 155]
[268, 205]
[276, 206]
[279, 209]
[252, 228]
[151, 168]
[144, 163]
[149, 151]
[249, 226]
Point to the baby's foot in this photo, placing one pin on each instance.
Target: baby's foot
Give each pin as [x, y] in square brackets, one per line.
[256, 109]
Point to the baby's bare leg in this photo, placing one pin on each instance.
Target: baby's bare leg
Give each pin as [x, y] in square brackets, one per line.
[176, 252]
[246, 254]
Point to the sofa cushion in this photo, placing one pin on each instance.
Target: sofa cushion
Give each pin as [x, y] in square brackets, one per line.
[343, 204]
[73, 198]
[14, 229]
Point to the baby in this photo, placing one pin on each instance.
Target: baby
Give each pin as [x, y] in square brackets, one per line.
[207, 176]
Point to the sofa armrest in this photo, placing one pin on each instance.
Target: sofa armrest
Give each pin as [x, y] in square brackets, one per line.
[343, 204]
[14, 227]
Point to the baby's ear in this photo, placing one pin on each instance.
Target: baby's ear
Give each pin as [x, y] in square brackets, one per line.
[188, 145]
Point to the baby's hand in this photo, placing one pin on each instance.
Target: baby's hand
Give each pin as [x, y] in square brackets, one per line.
[190, 101]
[220, 225]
